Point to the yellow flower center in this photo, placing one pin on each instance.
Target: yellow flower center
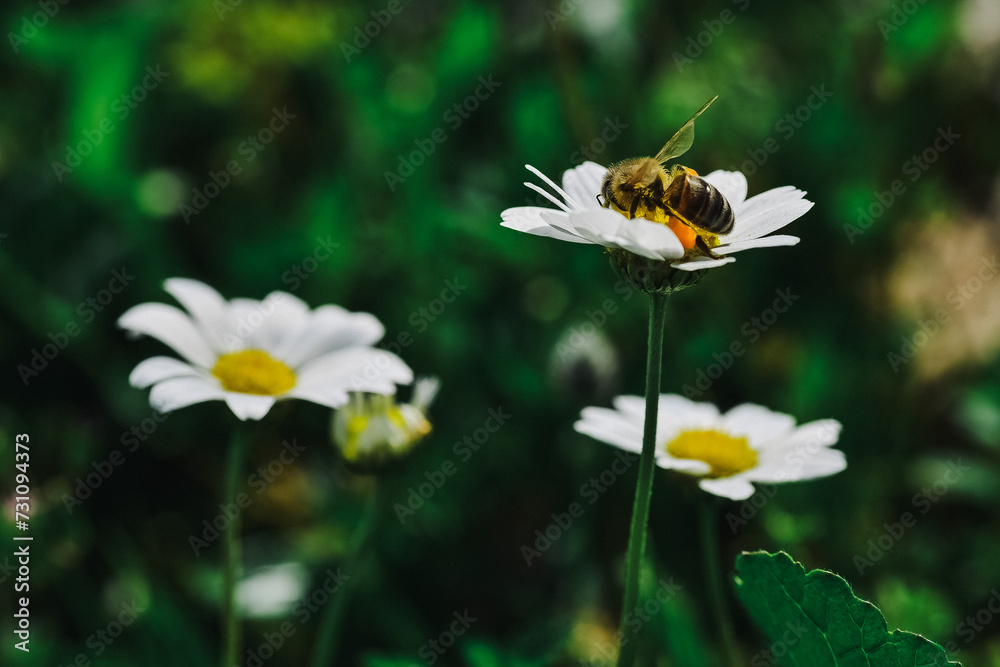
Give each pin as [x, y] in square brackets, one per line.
[727, 455]
[253, 372]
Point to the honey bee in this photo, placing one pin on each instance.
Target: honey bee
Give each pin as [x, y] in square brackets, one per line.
[691, 206]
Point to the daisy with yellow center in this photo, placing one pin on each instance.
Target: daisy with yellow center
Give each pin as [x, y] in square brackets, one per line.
[251, 354]
[726, 452]
[580, 218]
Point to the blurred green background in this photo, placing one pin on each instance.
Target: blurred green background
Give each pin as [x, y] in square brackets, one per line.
[117, 118]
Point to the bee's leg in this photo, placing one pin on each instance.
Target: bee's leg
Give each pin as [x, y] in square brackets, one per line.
[700, 242]
[634, 207]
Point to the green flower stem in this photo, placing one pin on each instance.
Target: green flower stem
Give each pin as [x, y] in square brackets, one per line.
[230, 618]
[710, 551]
[329, 630]
[644, 488]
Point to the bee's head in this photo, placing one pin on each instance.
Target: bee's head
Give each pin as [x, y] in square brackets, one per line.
[625, 179]
[606, 187]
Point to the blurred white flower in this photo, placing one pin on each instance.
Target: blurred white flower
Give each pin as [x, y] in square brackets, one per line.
[727, 452]
[373, 429]
[253, 353]
[271, 591]
[582, 219]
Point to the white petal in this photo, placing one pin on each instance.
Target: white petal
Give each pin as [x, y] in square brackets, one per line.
[356, 369]
[687, 466]
[571, 203]
[425, 389]
[243, 316]
[583, 183]
[763, 242]
[184, 391]
[330, 328]
[801, 466]
[611, 427]
[631, 405]
[330, 395]
[528, 219]
[658, 239]
[559, 203]
[248, 406]
[676, 414]
[814, 434]
[699, 263]
[280, 317]
[767, 212]
[206, 306]
[802, 453]
[171, 326]
[158, 369]
[765, 201]
[611, 229]
[684, 409]
[760, 425]
[732, 184]
[734, 488]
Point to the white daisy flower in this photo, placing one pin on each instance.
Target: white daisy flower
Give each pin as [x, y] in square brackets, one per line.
[253, 353]
[582, 219]
[372, 429]
[726, 452]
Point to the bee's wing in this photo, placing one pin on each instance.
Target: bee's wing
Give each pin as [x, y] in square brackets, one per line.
[644, 174]
[682, 140]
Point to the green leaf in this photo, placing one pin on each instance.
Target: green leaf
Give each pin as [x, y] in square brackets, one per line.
[814, 619]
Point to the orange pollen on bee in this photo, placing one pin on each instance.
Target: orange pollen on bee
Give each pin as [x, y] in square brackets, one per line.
[685, 234]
